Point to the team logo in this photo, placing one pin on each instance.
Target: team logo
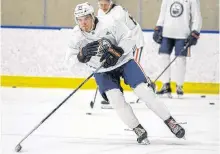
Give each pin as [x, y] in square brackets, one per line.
[107, 33]
[176, 9]
[80, 7]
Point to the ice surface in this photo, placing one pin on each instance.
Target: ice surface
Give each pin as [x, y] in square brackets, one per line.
[71, 131]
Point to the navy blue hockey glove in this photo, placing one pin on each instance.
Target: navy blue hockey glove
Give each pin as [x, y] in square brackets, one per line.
[157, 36]
[192, 38]
[111, 53]
[88, 51]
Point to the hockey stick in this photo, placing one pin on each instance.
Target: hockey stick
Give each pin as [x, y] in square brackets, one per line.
[93, 102]
[185, 48]
[19, 147]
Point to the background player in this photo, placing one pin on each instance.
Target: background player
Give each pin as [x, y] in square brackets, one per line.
[179, 24]
[109, 9]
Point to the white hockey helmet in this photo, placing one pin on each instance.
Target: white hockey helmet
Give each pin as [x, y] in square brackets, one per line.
[83, 10]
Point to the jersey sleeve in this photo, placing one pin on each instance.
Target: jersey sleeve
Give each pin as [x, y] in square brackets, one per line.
[121, 14]
[123, 37]
[73, 49]
[196, 15]
[163, 9]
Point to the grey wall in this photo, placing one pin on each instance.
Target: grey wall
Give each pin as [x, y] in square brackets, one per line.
[60, 12]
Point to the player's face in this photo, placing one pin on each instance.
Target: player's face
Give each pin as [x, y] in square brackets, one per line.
[104, 5]
[85, 23]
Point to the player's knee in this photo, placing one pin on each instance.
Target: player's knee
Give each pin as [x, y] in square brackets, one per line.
[164, 56]
[181, 54]
[181, 62]
[116, 98]
[145, 92]
[181, 59]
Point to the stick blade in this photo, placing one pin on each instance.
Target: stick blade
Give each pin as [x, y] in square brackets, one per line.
[92, 104]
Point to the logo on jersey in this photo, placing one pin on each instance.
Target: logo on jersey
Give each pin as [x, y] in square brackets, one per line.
[107, 33]
[176, 9]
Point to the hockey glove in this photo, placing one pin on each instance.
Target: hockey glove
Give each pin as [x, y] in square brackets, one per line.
[88, 51]
[157, 36]
[111, 53]
[192, 38]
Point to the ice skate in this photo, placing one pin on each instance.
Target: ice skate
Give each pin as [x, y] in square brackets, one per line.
[106, 105]
[165, 90]
[175, 128]
[142, 135]
[179, 91]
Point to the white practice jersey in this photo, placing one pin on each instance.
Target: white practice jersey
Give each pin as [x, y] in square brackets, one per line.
[121, 14]
[179, 17]
[115, 31]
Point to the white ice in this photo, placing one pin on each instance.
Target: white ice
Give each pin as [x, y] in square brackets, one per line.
[71, 131]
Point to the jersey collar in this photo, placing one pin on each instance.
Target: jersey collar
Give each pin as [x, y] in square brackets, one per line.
[112, 6]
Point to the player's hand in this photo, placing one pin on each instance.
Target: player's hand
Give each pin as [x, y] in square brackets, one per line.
[157, 36]
[88, 51]
[111, 54]
[192, 38]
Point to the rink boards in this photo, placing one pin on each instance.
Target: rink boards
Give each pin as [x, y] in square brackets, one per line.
[34, 58]
[54, 82]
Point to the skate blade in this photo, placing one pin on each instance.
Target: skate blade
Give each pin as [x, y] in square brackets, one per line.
[169, 95]
[106, 107]
[184, 137]
[180, 123]
[128, 129]
[145, 142]
[165, 95]
[179, 96]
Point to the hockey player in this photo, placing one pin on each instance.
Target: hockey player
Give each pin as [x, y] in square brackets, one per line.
[95, 41]
[108, 8]
[117, 12]
[179, 24]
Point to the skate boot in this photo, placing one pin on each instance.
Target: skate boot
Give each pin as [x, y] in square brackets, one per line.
[106, 105]
[142, 135]
[175, 128]
[166, 89]
[179, 91]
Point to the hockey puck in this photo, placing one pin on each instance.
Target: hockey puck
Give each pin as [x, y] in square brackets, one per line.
[88, 113]
[13, 86]
[203, 96]
[211, 103]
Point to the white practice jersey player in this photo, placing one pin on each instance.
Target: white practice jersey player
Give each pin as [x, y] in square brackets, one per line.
[121, 14]
[119, 63]
[115, 31]
[181, 17]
